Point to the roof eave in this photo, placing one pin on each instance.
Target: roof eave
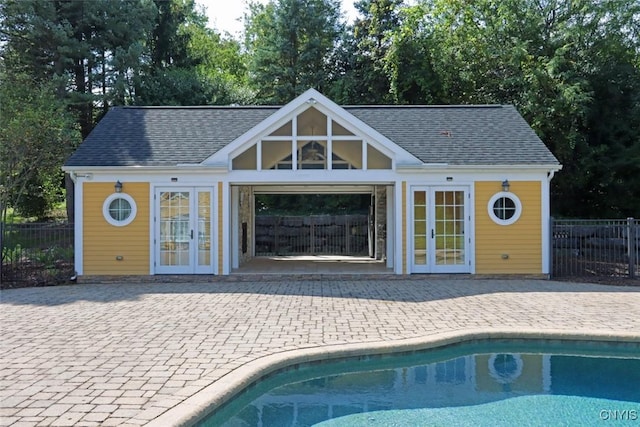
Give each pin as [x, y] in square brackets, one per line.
[442, 166]
[182, 167]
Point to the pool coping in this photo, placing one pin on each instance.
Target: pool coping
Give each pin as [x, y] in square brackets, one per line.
[204, 402]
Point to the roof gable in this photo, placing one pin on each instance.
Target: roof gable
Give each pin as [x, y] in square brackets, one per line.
[311, 99]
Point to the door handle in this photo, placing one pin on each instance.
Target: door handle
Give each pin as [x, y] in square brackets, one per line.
[191, 234]
[433, 234]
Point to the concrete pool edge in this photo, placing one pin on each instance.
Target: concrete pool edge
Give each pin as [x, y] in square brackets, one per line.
[204, 402]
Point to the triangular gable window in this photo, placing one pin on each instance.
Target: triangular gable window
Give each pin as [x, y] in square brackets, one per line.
[311, 140]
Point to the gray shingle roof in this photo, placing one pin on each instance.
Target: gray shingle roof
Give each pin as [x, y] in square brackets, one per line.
[164, 136]
[460, 135]
[457, 135]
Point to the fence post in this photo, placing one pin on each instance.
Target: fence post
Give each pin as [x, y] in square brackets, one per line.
[631, 246]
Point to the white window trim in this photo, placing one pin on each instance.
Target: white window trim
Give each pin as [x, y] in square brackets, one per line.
[107, 216]
[516, 201]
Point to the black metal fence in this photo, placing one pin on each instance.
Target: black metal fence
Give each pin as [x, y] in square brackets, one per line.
[312, 235]
[604, 248]
[36, 254]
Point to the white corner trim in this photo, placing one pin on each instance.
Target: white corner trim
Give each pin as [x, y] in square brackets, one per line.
[78, 213]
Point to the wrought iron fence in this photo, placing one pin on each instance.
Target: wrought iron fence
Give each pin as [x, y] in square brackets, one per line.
[312, 235]
[596, 247]
[36, 254]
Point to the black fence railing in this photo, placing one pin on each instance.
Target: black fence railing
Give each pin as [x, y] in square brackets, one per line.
[36, 254]
[603, 248]
[312, 235]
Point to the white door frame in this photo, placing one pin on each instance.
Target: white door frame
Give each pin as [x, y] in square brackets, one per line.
[194, 233]
[431, 266]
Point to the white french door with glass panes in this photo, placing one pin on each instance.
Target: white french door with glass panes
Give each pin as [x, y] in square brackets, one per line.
[183, 239]
[440, 238]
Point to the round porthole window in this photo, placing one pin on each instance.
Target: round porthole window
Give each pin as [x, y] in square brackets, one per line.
[504, 208]
[119, 209]
[505, 368]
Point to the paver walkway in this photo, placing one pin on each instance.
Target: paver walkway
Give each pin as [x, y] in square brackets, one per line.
[123, 354]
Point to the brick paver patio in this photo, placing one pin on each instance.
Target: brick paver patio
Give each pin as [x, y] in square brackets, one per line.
[125, 354]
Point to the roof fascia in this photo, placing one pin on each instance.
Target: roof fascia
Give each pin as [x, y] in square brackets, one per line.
[425, 167]
[144, 169]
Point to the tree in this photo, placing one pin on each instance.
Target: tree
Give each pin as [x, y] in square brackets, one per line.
[36, 135]
[91, 50]
[190, 64]
[571, 68]
[362, 77]
[289, 43]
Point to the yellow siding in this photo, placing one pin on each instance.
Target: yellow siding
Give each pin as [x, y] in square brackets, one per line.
[521, 241]
[103, 242]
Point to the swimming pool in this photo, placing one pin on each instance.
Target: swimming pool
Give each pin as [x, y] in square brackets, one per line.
[489, 382]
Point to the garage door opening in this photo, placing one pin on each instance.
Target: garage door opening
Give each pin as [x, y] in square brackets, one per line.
[314, 224]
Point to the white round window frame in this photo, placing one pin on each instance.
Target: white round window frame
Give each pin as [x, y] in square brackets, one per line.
[516, 214]
[107, 215]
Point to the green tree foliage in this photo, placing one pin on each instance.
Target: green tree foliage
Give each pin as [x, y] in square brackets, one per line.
[96, 53]
[90, 49]
[186, 63]
[571, 68]
[36, 135]
[290, 43]
[360, 76]
[170, 76]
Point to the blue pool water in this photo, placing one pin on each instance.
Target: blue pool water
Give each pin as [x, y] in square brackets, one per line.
[481, 383]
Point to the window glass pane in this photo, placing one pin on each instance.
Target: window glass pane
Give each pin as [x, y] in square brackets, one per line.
[284, 130]
[312, 122]
[312, 155]
[204, 228]
[349, 152]
[246, 160]
[504, 208]
[377, 160]
[337, 129]
[119, 209]
[449, 196]
[276, 155]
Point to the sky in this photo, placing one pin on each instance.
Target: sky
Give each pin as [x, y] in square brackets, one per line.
[226, 15]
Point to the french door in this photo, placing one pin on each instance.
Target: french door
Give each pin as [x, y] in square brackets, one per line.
[183, 233]
[440, 238]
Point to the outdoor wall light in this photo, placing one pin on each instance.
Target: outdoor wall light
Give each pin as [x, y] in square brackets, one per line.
[505, 185]
[118, 187]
